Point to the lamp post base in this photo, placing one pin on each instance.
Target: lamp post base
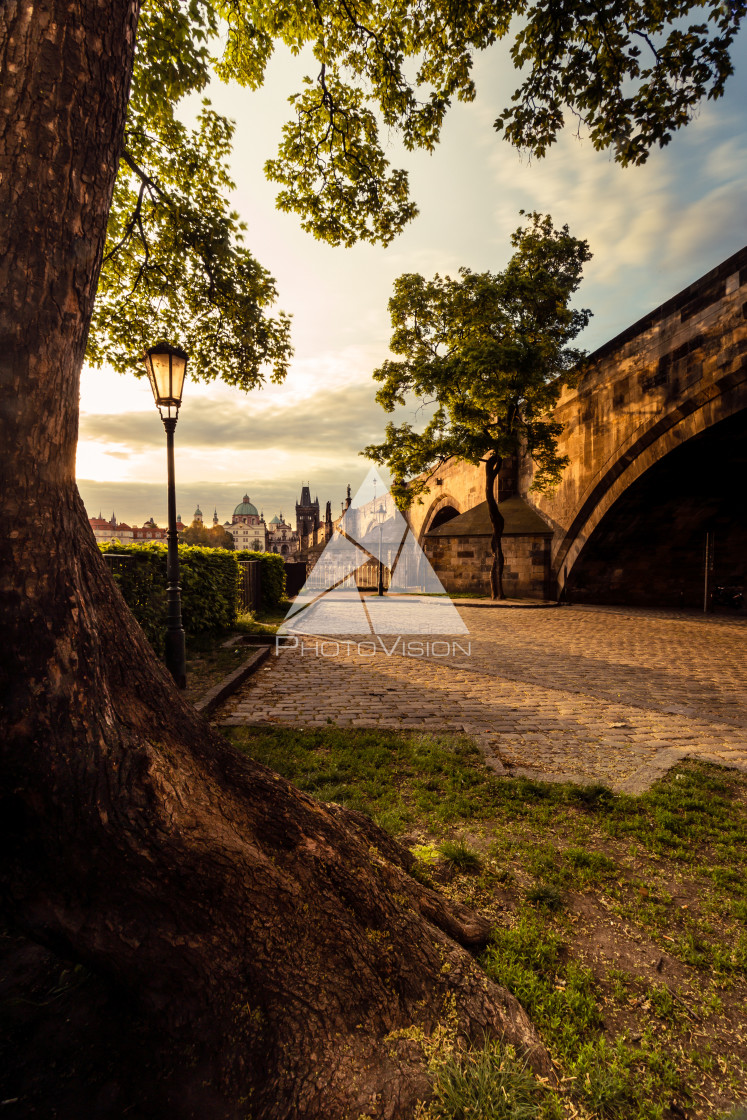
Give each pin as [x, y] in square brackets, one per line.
[176, 657]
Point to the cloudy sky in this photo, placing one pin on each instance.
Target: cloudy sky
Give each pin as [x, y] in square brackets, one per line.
[652, 230]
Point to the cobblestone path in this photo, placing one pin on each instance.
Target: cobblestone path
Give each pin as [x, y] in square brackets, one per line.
[613, 695]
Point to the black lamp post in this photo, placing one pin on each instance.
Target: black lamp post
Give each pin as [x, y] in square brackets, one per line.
[381, 517]
[166, 367]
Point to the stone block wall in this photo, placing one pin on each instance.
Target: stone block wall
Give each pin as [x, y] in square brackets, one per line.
[463, 565]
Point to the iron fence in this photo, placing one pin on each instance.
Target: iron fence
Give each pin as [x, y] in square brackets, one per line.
[250, 584]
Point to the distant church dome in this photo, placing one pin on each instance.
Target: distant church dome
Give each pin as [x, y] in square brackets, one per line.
[245, 509]
[276, 520]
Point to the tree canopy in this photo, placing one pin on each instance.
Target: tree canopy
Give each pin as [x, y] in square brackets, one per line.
[176, 266]
[492, 351]
[214, 536]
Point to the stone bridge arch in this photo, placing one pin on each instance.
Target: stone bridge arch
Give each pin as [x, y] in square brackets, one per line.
[443, 509]
[421, 516]
[649, 546]
[669, 378]
[670, 388]
[646, 447]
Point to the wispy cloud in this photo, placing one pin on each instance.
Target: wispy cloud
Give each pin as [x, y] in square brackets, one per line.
[343, 419]
[652, 229]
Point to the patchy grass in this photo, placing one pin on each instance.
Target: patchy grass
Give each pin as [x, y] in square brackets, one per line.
[458, 853]
[263, 621]
[208, 662]
[620, 922]
[489, 1084]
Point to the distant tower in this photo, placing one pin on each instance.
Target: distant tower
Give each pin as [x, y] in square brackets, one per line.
[328, 514]
[198, 516]
[307, 513]
[348, 500]
[215, 516]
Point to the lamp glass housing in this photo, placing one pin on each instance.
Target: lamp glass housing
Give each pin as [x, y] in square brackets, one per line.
[166, 367]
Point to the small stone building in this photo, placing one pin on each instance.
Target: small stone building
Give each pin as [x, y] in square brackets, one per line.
[459, 550]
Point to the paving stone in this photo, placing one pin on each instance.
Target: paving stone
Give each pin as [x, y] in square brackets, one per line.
[600, 693]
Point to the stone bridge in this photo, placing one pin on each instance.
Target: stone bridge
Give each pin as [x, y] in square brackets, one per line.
[656, 434]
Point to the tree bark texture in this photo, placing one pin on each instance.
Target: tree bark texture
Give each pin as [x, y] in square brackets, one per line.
[280, 941]
[492, 469]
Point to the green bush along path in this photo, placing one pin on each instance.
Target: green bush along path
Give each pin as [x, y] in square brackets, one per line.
[209, 579]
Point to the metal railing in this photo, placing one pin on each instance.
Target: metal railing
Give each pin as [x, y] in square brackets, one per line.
[250, 584]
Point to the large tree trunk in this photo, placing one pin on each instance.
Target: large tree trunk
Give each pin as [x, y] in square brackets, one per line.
[492, 469]
[280, 942]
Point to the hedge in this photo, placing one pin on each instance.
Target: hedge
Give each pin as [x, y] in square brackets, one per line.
[272, 572]
[209, 579]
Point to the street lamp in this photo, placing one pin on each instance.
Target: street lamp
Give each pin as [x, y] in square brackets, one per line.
[166, 367]
[381, 518]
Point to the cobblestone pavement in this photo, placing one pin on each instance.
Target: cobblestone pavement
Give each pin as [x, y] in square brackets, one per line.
[601, 694]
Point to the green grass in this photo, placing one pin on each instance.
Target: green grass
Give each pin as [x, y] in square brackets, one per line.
[208, 662]
[264, 621]
[490, 1084]
[460, 855]
[666, 871]
[547, 895]
[397, 781]
[563, 1001]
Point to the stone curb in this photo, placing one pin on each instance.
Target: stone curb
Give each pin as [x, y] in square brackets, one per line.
[221, 691]
[646, 775]
[507, 604]
[665, 761]
[248, 640]
[637, 783]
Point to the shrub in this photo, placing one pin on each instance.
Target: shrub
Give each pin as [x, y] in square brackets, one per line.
[273, 574]
[209, 580]
[142, 580]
